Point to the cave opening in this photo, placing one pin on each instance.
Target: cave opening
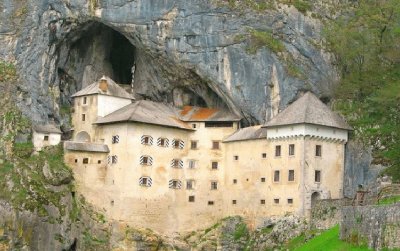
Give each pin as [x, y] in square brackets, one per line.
[122, 58]
[94, 49]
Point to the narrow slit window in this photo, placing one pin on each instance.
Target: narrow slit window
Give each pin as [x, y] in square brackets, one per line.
[317, 176]
[84, 100]
[83, 117]
[276, 176]
[278, 150]
[291, 175]
[291, 149]
[318, 150]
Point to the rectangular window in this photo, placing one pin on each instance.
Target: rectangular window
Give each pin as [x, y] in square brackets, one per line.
[192, 163]
[278, 151]
[215, 145]
[276, 201]
[291, 149]
[176, 143]
[214, 185]
[276, 176]
[318, 150]
[291, 175]
[262, 202]
[234, 181]
[210, 202]
[190, 184]
[46, 138]
[193, 144]
[236, 157]
[83, 117]
[191, 198]
[99, 162]
[84, 100]
[264, 155]
[145, 160]
[233, 202]
[317, 176]
[262, 179]
[85, 161]
[289, 201]
[214, 165]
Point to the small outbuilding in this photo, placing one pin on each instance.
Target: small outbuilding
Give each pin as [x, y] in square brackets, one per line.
[45, 135]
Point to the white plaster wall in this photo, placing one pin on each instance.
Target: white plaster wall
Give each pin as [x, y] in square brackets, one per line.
[109, 104]
[39, 143]
[307, 130]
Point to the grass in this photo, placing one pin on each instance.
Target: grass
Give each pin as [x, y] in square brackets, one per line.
[8, 71]
[389, 200]
[259, 39]
[326, 241]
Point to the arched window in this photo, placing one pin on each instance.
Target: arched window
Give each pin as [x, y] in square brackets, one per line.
[82, 137]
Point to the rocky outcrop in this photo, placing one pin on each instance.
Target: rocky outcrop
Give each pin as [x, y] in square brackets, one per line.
[198, 48]
[377, 226]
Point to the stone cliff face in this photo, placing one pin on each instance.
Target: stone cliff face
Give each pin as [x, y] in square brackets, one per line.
[198, 52]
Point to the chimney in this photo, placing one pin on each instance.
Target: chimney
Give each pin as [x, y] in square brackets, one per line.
[103, 85]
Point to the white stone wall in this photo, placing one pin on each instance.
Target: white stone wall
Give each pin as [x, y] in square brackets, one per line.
[39, 142]
[307, 130]
[109, 104]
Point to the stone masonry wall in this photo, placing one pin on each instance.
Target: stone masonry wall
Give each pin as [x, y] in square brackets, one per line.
[378, 225]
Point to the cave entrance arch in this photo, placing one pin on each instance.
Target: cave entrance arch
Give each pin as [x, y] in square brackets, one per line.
[82, 136]
[315, 196]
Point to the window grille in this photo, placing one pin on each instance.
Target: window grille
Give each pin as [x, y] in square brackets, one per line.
[214, 185]
[178, 144]
[176, 163]
[146, 160]
[146, 140]
[115, 139]
[164, 142]
[145, 181]
[175, 184]
[190, 184]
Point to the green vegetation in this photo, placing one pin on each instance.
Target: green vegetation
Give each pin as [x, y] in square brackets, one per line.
[389, 200]
[327, 240]
[240, 231]
[8, 71]
[259, 39]
[24, 184]
[367, 54]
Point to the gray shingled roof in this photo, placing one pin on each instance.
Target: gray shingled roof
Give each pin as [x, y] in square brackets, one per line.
[86, 147]
[113, 90]
[308, 109]
[146, 111]
[193, 113]
[247, 133]
[48, 128]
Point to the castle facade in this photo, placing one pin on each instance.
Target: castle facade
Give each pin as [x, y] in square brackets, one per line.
[170, 169]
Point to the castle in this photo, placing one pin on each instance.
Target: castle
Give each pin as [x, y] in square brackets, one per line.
[152, 165]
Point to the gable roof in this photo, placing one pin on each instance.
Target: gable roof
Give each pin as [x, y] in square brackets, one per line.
[247, 133]
[308, 109]
[48, 128]
[146, 111]
[113, 90]
[193, 113]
